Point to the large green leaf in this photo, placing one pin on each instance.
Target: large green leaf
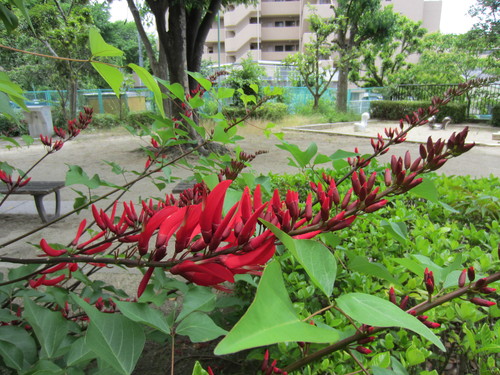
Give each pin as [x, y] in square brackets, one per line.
[198, 298]
[426, 189]
[113, 76]
[76, 175]
[199, 327]
[397, 230]
[362, 265]
[198, 77]
[271, 318]
[317, 260]
[17, 347]
[379, 312]
[98, 47]
[151, 84]
[79, 352]
[114, 338]
[49, 326]
[198, 370]
[145, 314]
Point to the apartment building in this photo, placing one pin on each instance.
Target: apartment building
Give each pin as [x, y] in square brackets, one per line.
[272, 29]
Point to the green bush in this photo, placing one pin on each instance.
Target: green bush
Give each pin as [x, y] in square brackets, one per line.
[9, 127]
[393, 110]
[105, 121]
[272, 111]
[144, 118]
[327, 111]
[495, 115]
[268, 111]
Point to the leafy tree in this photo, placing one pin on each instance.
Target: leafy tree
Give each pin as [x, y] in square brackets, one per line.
[488, 13]
[315, 74]
[451, 58]
[381, 60]
[356, 23]
[247, 78]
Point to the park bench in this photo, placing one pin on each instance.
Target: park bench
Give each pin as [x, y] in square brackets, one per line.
[39, 189]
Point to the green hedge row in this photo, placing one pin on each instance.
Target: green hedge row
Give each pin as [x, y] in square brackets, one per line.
[495, 115]
[268, 111]
[395, 110]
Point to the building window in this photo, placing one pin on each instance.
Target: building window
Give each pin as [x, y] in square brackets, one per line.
[253, 20]
[253, 46]
[292, 23]
[279, 24]
[210, 49]
[278, 49]
[291, 47]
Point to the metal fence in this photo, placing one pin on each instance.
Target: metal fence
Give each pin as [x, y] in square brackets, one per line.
[479, 101]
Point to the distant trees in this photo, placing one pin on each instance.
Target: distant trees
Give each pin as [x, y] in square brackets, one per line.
[382, 60]
[314, 74]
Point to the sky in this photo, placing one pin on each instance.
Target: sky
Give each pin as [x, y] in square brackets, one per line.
[454, 17]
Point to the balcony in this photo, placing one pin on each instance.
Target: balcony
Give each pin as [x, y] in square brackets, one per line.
[280, 33]
[275, 56]
[238, 14]
[281, 8]
[212, 35]
[241, 38]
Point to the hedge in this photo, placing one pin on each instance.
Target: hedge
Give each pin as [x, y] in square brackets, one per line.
[268, 111]
[495, 115]
[395, 110]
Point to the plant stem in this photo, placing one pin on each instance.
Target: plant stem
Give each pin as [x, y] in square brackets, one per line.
[340, 345]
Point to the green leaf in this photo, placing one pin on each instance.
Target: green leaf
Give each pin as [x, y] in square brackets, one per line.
[115, 339]
[177, 90]
[427, 190]
[8, 18]
[376, 311]
[362, 265]
[151, 84]
[49, 326]
[317, 260]
[341, 154]
[199, 327]
[5, 107]
[77, 176]
[381, 360]
[414, 356]
[271, 318]
[198, 77]
[98, 47]
[113, 76]
[79, 353]
[198, 370]
[198, 298]
[17, 347]
[224, 93]
[396, 229]
[145, 314]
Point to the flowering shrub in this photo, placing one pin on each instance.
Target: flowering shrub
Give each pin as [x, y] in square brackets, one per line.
[220, 231]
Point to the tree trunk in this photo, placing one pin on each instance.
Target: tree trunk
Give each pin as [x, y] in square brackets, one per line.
[342, 89]
[316, 101]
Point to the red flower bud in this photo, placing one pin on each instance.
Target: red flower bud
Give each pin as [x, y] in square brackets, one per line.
[363, 350]
[471, 274]
[461, 278]
[482, 302]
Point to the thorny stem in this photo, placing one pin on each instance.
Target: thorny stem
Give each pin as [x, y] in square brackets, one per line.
[358, 362]
[420, 309]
